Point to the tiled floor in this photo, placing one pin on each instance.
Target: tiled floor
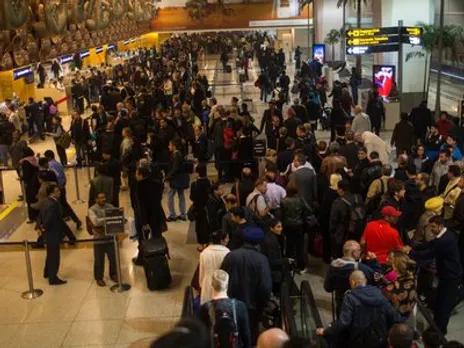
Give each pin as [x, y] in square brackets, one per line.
[81, 314]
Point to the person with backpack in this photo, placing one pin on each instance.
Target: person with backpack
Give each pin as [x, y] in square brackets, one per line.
[256, 202]
[372, 172]
[347, 218]
[365, 318]
[380, 236]
[226, 318]
[337, 277]
[250, 276]
[222, 135]
[377, 189]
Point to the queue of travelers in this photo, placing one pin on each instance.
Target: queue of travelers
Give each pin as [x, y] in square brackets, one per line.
[383, 232]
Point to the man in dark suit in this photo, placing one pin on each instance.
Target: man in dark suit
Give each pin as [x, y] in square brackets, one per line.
[200, 145]
[51, 223]
[444, 248]
[305, 179]
[149, 213]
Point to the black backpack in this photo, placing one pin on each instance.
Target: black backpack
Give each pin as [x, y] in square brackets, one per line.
[374, 202]
[373, 336]
[224, 328]
[356, 218]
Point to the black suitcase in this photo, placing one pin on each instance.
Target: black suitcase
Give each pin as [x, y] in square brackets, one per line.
[228, 69]
[155, 255]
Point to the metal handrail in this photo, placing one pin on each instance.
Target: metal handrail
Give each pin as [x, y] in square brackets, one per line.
[308, 294]
[187, 306]
[304, 310]
[288, 320]
[428, 318]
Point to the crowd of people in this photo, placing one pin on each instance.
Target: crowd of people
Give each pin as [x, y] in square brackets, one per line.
[385, 233]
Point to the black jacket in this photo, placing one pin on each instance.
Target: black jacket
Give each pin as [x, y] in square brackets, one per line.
[339, 217]
[177, 176]
[225, 306]
[369, 174]
[359, 311]
[446, 253]
[291, 124]
[338, 274]
[80, 131]
[270, 248]
[245, 187]
[250, 278]
[235, 230]
[149, 194]
[306, 182]
[350, 152]
[293, 211]
[301, 113]
[403, 136]
[51, 220]
[200, 148]
[215, 210]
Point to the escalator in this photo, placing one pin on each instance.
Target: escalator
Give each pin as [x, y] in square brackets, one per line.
[300, 315]
[301, 318]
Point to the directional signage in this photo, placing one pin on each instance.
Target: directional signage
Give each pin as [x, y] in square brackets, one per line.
[359, 50]
[376, 40]
[373, 40]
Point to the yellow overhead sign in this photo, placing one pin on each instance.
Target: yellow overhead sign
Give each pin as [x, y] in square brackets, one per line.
[369, 40]
[415, 31]
[363, 32]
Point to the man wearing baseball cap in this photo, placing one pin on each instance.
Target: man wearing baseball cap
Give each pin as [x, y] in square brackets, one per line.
[380, 237]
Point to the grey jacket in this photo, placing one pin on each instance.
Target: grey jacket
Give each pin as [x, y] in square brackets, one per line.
[306, 183]
[439, 169]
[97, 216]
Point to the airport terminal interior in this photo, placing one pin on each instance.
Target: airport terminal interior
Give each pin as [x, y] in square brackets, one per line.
[182, 70]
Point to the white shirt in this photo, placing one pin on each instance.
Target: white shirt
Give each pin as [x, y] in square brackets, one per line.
[210, 260]
[442, 232]
[274, 194]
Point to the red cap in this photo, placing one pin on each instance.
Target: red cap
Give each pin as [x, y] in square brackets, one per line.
[390, 211]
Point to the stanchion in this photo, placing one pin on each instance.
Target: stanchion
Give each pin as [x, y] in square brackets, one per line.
[120, 287]
[31, 293]
[76, 182]
[23, 191]
[2, 188]
[89, 175]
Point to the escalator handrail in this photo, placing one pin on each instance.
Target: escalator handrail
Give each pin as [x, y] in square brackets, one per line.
[426, 314]
[308, 293]
[187, 305]
[288, 320]
[304, 309]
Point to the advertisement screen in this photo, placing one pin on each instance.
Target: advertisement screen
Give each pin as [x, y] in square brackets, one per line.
[229, 14]
[319, 52]
[384, 79]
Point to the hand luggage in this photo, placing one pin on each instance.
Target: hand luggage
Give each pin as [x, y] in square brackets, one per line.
[228, 69]
[155, 255]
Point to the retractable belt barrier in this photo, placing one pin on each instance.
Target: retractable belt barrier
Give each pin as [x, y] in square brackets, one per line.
[33, 293]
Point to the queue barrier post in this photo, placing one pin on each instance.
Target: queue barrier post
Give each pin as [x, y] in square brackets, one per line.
[120, 286]
[2, 188]
[31, 293]
[76, 182]
[89, 175]
[23, 191]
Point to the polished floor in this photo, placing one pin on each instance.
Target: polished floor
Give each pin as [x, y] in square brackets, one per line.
[81, 314]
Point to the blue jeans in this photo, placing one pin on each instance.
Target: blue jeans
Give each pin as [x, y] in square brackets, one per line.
[4, 154]
[80, 152]
[172, 209]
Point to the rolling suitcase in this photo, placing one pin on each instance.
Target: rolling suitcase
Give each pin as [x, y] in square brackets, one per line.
[155, 255]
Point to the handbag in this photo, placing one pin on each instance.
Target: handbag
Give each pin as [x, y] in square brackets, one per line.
[192, 213]
[64, 140]
[318, 245]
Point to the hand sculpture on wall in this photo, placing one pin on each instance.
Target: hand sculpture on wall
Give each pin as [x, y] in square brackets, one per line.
[32, 30]
[13, 13]
[119, 9]
[51, 17]
[98, 15]
[76, 13]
